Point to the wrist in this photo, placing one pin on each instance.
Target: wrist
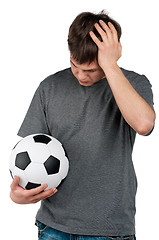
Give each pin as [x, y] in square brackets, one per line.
[112, 70]
[112, 67]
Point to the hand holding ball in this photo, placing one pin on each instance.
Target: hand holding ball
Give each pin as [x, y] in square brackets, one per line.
[39, 159]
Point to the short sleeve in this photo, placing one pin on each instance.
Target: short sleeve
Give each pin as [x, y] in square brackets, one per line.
[35, 119]
[144, 88]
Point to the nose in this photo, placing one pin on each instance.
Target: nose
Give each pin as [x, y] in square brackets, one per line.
[81, 75]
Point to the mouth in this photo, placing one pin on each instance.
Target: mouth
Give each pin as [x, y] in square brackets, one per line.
[83, 82]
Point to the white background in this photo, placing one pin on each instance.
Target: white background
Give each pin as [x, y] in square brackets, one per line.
[33, 45]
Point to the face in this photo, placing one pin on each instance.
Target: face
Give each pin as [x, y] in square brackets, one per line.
[87, 74]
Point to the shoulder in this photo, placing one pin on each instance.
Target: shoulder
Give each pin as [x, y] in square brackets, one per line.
[136, 79]
[131, 75]
[56, 78]
[55, 84]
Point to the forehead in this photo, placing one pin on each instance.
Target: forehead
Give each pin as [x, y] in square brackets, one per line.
[85, 66]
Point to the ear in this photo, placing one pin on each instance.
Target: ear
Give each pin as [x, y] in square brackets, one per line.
[120, 44]
[120, 49]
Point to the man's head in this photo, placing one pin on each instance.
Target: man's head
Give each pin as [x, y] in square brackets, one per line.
[87, 73]
[81, 46]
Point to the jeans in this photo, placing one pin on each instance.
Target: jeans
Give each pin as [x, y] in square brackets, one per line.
[48, 233]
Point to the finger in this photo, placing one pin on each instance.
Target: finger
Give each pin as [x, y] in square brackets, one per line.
[37, 190]
[102, 33]
[113, 30]
[46, 194]
[95, 39]
[106, 29]
[15, 183]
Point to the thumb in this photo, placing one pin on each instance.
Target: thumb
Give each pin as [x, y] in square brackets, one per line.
[15, 183]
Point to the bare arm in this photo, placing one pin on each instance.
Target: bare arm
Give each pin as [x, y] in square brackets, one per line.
[135, 110]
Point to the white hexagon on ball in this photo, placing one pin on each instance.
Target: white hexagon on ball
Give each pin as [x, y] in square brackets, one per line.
[21, 174]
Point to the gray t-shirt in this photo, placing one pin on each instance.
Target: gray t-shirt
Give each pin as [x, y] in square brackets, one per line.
[98, 195]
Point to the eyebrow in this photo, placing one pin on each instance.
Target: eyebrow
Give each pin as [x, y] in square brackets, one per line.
[88, 70]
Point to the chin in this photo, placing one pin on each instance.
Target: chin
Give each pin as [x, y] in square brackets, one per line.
[85, 84]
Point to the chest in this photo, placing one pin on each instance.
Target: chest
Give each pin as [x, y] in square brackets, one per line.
[87, 110]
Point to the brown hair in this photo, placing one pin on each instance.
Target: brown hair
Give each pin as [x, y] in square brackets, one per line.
[81, 46]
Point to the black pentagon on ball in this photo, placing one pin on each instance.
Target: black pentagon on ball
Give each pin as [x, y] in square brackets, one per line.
[52, 165]
[31, 185]
[11, 174]
[22, 160]
[42, 139]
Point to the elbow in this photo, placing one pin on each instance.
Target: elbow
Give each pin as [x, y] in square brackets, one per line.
[144, 130]
[146, 125]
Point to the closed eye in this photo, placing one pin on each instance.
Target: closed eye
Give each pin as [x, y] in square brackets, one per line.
[91, 70]
[87, 70]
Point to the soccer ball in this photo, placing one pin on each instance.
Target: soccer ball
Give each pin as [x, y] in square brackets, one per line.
[38, 159]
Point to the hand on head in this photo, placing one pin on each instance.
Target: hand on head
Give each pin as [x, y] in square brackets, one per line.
[109, 49]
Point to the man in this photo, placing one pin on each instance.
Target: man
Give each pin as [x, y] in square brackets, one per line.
[95, 109]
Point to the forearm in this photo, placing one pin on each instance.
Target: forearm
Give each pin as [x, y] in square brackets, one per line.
[135, 110]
